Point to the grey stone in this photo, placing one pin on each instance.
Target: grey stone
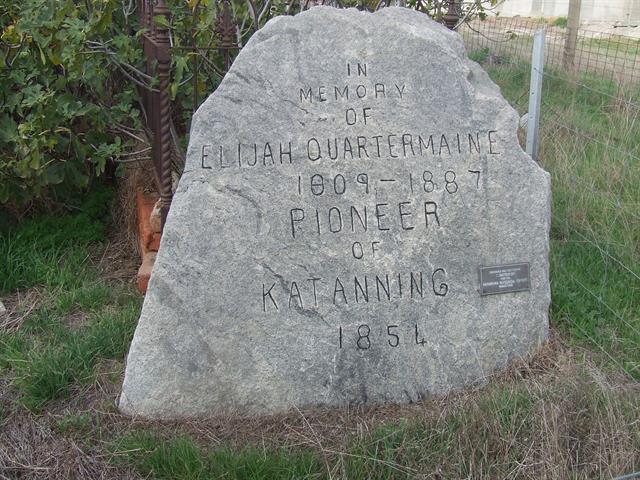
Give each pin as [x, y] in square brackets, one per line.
[233, 319]
[3, 309]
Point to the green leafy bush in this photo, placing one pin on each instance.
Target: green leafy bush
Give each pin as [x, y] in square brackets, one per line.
[62, 93]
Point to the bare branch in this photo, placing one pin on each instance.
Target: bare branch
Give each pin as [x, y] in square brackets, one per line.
[265, 9]
[253, 9]
[120, 128]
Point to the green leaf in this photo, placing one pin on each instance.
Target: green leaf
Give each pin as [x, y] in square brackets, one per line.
[161, 20]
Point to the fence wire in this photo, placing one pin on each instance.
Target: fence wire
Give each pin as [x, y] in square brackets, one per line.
[606, 55]
[589, 142]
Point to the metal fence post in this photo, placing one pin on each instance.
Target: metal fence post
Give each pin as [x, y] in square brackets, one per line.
[535, 94]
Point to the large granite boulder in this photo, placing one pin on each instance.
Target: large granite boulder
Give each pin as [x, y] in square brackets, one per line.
[356, 223]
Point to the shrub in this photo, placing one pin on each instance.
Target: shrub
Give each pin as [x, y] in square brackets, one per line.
[63, 94]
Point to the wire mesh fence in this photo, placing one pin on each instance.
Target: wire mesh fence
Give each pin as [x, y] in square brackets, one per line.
[606, 55]
[589, 142]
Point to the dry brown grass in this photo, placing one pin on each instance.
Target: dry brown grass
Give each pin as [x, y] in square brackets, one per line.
[19, 305]
[124, 213]
[555, 415]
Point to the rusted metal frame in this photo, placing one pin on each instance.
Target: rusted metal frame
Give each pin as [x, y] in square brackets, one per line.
[162, 103]
[226, 31]
[450, 18]
[156, 103]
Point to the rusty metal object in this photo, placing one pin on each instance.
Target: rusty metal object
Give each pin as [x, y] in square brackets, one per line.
[226, 31]
[225, 25]
[162, 133]
[451, 17]
[156, 100]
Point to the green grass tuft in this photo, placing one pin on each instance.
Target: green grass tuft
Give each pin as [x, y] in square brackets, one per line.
[181, 458]
[50, 250]
[82, 423]
[63, 355]
[560, 22]
[12, 346]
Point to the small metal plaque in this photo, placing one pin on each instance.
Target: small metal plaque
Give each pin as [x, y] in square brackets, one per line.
[504, 278]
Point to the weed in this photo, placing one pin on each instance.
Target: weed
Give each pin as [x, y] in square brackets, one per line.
[79, 423]
[480, 56]
[560, 22]
[78, 319]
[12, 346]
[64, 356]
[519, 429]
[613, 46]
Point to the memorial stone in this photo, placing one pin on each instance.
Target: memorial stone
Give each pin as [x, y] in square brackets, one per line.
[356, 223]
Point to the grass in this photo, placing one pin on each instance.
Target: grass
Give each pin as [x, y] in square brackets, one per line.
[589, 144]
[53, 357]
[74, 320]
[522, 427]
[51, 250]
[615, 46]
[569, 412]
[181, 458]
[604, 55]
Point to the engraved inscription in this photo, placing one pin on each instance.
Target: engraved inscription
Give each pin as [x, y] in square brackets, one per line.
[365, 336]
[356, 289]
[338, 195]
[319, 151]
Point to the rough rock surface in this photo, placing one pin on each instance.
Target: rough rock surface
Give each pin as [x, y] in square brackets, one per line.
[325, 250]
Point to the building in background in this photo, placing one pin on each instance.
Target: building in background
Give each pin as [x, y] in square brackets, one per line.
[622, 12]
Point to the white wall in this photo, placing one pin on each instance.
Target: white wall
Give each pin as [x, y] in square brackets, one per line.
[592, 10]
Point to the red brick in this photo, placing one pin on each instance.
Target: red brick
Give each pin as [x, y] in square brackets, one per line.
[154, 243]
[149, 239]
[144, 272]
[145, 207]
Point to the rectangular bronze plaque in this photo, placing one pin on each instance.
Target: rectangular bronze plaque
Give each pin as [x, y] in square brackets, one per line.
[504, 278]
